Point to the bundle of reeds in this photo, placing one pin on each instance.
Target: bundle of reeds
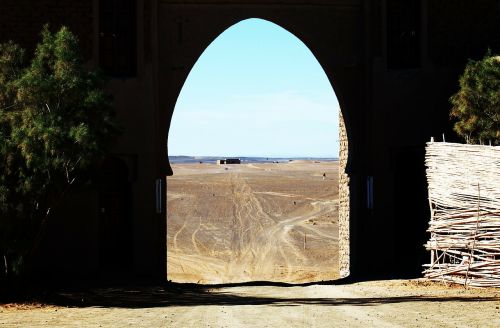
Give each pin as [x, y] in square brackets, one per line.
[464, 197]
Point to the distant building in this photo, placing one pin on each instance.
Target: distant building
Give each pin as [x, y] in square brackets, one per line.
[233, 161]
[228, 161]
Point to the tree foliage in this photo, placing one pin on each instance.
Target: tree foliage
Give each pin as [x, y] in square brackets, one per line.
[476, 105]
[56, 123]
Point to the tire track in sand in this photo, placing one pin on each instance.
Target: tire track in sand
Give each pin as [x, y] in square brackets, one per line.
[259, 248]
[193, 237]
[176, 235]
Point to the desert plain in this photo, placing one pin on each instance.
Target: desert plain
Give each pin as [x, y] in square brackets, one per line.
[275, 222]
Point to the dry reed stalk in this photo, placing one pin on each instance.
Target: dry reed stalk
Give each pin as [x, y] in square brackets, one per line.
[464, 196]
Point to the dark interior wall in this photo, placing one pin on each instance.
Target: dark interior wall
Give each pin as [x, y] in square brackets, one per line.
[462, 29]
[70, 247]
[141, 145]
[22, 20]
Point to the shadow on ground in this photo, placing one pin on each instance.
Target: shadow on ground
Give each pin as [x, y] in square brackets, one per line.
[173, 294]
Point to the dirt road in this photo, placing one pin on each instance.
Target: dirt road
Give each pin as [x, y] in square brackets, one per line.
[253, 222]
[372, 304]
[369, 304]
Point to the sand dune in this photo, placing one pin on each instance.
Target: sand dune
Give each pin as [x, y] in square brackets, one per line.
[252, 222]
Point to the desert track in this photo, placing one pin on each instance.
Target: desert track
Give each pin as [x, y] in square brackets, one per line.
[255, 222]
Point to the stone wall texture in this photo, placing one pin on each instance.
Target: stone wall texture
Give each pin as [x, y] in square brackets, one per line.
[343, 201]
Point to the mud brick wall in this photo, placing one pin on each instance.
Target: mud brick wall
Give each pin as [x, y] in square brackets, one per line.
[343, 202]
[22, 20]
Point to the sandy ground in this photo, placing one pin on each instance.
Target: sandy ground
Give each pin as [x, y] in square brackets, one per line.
[253, 222]
[397, 303]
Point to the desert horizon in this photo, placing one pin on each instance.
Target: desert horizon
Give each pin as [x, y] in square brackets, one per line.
[190, 159]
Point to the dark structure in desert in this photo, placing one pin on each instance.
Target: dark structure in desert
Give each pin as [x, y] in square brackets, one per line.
[228, 161]
[393, 65]
[233, 161]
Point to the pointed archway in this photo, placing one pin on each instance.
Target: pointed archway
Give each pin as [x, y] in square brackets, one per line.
[197, 129]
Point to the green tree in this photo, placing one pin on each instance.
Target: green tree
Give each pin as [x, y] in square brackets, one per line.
[476, 105]
[56, 124]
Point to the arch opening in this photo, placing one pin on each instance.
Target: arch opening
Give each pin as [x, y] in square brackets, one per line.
[220, 217]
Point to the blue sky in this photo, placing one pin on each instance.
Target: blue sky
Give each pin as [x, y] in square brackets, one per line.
[257, 90]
